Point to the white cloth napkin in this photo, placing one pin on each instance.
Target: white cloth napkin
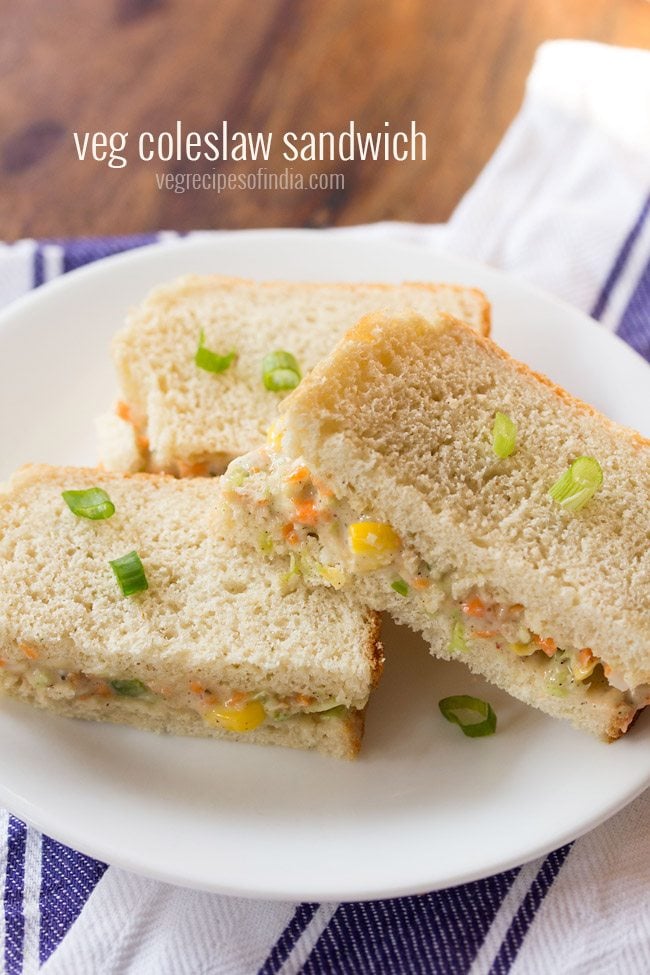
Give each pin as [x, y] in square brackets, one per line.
[562, 203]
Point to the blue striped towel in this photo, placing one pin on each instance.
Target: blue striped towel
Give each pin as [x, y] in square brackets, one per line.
[564, 203]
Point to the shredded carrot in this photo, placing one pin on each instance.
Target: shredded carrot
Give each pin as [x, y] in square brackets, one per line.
[142, 443]
[198, 469]
[607, 670]
[289, 534]
[29, 652]
[548, 645]
[102, 690]
[3, 663]
[304, 699]
[307, 513]
[585, 657]
[123, 410]
[474, 607]
[484, 634]
[236, 699]
[322, 488]
[196, 688]
[420, 583]
[300, 474]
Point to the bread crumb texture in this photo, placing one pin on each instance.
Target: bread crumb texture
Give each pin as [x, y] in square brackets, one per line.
[190, 417]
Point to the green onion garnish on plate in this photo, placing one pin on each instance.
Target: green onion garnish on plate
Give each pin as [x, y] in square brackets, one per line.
[280, 371]
[128, 688]
[93, 503]
[212, 361]
[129, 572]
[578, 484]
[504, 435]
[400, 587]
[474, 717]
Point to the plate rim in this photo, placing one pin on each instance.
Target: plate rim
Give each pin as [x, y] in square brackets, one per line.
[23, 808]
[359, 894]
[198, 238]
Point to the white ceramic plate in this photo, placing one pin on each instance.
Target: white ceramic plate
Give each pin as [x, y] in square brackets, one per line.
[424, 807]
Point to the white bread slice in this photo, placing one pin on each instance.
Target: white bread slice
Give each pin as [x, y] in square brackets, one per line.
[184, 420]
[214, 615]
[397, 421]
[119, 445]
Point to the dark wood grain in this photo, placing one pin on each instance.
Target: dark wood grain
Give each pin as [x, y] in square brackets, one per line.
[458, 68]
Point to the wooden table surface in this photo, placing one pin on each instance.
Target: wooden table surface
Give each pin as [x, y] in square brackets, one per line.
[457, 67]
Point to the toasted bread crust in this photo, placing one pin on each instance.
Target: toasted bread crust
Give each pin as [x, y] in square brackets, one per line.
[176, 418]
[579, 405]
[375, 649]
[190, 283]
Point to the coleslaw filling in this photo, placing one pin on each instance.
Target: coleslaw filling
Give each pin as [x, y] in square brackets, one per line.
[48, 682]
[330, 544]
[198, 466]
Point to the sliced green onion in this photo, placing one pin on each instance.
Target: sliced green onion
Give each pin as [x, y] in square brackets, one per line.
[40, 678]
[504, 435]
[463, 711]
[400, 587]
[458, 643]
[129, 573]
[556, 685]
[335, 712]
[212, 361]
[578, 484]
[280, 371]
[289, 580]
[237, 475]
[93, 503]
[128, 688]
[265, 543]
[559, 678]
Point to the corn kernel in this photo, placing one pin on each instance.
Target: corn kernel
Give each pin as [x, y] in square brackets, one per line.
[523, 649]
[274, 436]
[583, 665]
[236, 719]
[374, 541]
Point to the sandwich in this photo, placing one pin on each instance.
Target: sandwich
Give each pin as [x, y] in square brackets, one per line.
[120, 602]
[445, 483]
[203, 362]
